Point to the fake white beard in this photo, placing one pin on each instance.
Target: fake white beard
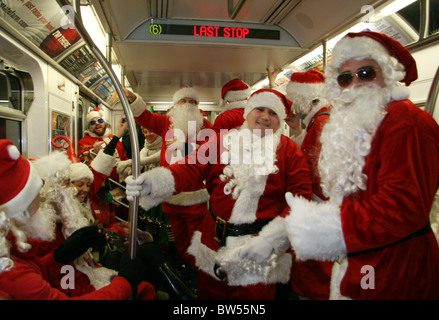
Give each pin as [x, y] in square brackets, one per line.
[250, 158]
[73, 214]
[181, 115]
[40, 226]
[346, 139]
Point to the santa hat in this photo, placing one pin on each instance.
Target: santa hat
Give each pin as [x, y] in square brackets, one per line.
[95, 113]
[80, 171]
[309, 84]
[20, 182]
[185, 92]
[382, 49]
[269, 98]
[235, 90]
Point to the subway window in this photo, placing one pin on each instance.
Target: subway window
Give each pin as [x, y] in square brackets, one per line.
[16, 94]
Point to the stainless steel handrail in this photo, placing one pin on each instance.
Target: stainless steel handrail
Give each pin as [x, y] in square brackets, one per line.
[432, 95]
[134, 205]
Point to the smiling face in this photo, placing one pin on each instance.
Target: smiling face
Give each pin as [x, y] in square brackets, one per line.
[83, 187]
[149, 135]
[98, 128]
[264, 119]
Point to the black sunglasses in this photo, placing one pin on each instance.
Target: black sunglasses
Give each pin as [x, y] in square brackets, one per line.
[367, 73]
[93, 122]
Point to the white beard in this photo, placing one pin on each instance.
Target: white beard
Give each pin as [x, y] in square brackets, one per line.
[40, 226]
[250, 159]
[181, 115]
[346, 139]
[73, 214]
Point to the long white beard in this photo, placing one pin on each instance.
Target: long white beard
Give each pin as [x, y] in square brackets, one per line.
[73, 214]
[40, 226]
[250, 159]
[182, 115]
[346, 139]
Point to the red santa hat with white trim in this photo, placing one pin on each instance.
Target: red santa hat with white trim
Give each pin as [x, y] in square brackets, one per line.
[272, 99]
[235, 93]
[394, 59]
[304, 87]
[95, 113]
[20, 182]
[185, 92]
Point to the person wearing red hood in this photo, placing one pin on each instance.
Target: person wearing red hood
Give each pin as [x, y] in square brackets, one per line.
[379, 168]
[25, 276]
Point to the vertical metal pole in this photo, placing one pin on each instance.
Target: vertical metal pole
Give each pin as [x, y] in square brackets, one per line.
[134, 205]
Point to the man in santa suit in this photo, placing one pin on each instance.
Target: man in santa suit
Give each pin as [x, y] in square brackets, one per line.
[96, 138]
[305, 90]
[379, 167]
[26, 275]
[180, 130]
[234, 95]
[241, 249]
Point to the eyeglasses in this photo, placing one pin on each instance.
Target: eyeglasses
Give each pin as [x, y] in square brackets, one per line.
[367, 74]
[93, 122]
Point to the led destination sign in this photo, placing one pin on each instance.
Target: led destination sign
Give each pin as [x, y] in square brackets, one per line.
[214, 31]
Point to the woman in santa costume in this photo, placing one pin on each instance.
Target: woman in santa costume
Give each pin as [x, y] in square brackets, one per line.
[241, 249]
[181, 125]
[29, 276]
[378, 166]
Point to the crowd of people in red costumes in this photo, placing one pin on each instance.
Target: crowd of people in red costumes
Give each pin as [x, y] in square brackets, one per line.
[341, 209]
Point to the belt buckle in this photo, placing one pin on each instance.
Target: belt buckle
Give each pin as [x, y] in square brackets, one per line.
[220, 225]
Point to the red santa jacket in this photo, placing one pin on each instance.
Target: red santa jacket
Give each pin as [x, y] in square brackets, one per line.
[312, 278]
[293, 176]
[311, 147]
[87, 142]
[380, 237]
[31, 277]
[229, 119]
[403, 176]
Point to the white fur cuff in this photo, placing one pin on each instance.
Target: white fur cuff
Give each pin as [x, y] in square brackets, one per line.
[162, 187]
[314, 230]
[138, 106]
[103, 163]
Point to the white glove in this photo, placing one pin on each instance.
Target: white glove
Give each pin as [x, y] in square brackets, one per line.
[122, 165]
[258, 249]
[137, 188]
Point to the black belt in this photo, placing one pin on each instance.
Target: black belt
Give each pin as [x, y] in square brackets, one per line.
[224, 229]
[423, 231]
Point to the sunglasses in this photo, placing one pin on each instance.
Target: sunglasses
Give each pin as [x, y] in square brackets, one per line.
[93, 122]
[366, 74]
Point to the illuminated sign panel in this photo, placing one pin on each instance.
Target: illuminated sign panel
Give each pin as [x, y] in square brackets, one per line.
[214, 31]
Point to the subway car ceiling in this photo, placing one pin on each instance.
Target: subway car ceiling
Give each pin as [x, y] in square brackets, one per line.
[157, 65]
[158, 46]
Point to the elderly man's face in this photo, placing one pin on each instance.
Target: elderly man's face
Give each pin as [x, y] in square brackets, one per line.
[360, 72]
[98, 126]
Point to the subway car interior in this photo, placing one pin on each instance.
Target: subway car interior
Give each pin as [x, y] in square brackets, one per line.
[61, 59]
